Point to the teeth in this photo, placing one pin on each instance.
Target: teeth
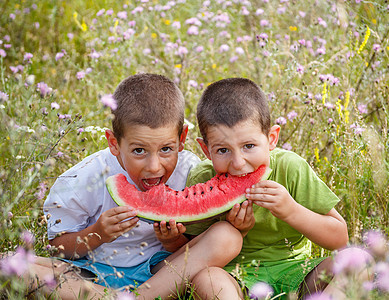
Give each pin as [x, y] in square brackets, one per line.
[153, 184]
[241, 175]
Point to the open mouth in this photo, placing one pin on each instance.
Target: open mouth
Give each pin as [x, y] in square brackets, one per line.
[150, 182]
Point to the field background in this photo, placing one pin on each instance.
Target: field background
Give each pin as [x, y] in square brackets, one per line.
[323, 65]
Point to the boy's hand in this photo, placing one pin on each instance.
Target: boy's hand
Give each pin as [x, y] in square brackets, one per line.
[242, 217]
[274, 197]
[170, 235]
[114, 222]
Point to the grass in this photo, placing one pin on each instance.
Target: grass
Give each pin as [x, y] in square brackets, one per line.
[323, 65]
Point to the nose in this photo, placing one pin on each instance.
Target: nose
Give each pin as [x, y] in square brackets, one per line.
[238, 161]
[154, 164]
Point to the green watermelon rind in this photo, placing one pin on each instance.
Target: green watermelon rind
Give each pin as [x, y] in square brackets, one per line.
[111, 187]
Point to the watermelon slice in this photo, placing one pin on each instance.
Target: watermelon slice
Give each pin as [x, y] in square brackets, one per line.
[195, 203]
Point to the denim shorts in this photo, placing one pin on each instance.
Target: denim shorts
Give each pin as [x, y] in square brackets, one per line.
[119, 277]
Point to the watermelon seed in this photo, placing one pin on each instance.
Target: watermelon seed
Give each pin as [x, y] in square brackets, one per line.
[210, 188]
[202, 193]
[226, 174]
[194, 193]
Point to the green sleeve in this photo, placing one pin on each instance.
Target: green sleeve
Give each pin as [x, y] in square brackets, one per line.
[201, 173]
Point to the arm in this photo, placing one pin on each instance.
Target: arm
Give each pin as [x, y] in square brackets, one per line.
[328, 231]
[111, 224]
[171, 236]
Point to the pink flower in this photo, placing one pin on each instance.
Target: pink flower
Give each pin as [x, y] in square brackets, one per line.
[42, 191]
[287, 146]
[59, 55]
[3, 53]
[50, 281]
[362, 108]
[382, 281]
[350, 260]
[281, 121]
[376, 242]
[109, 101]
[261, 290]
[292, 115]
[100, 12]
[54, 105]
[17, 264]
[181, 51]
[193, 30]
[28, 56]
[224, 48]
[27, 237]
[44, 89]
[376, 47]
[319, 296]
[264, 23]
[122, 15]
[300, 69]
[321, 51]
[80, 75]
[3, 97]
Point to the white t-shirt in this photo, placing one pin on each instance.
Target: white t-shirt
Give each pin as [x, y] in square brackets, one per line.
[79, 196]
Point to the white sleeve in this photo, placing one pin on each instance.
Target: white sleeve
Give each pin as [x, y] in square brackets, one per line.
[66, 210]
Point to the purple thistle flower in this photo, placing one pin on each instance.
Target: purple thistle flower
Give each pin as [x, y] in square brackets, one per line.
[3, 53]
[59, 55]
[27, 237]
[362, 108]
[321, 51]
[319, 296]
[17, 264]
[300, 69]
[80, 75]
[350, 260]
[287, 146]
[224, 48]
[50, 281]
[234, 59]
[44, 89]
[291, 115]
[281, 121]
[376, 47]
[330, 120]
[181, 51]
[100, 12]
[28, 57]
[122, 15]
[54, 105]
[109, 101]
[376, 242]
[193, 30]
[261, 290]
[42, 191]
[382, 281]
[3, 97]
[264, 23]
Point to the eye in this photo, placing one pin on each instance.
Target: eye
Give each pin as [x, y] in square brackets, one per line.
[138, 151]
[222, 150]
[166, 149]
[249, 146]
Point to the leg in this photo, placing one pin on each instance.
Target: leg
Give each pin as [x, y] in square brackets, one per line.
[214, 248]
[323, 278]
[70, 284]
[216, 283]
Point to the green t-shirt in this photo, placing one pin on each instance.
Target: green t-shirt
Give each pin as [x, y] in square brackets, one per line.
[271, 239]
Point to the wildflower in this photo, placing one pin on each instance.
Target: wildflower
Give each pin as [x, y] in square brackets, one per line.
[12, 16]
[362, 108]
[376, 242]
[199, 49]
[60, 154]
[100, 12]
[292, 115]
[80, 75]
[109, 101]
[181, 51]
[224, 48]
[322, 22]
[350, 260]
[382, 281]
[264, 23]
[3, 97]
[94, 54]
[192, 83]
[244, 11]
[319, 296]
[125, 296]
[27, 237]
[259, 11]
[330, 120]
[193, 30]
[321, 51]
[300, 69]
[281, 121]
[3, 53]
[80, 130]
[44, 89]
[54, 105]
[281, 10]
[234, 58]
[28, 57]
[239, 50]
[357, 129]
[302, 14]
[42, 191]
[17, 264]
[193, 21]
[146, 51]
[122, 15]
[50, 281]
[376, 47]
[261, 290]
[329, 105]
[287, 146]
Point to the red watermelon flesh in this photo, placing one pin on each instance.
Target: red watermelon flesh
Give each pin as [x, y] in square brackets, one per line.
[195, 203]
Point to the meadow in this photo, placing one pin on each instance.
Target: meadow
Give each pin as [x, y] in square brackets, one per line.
[323, 65]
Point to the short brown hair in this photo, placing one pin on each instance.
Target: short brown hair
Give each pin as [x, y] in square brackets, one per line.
[147, 99]
[230, 101]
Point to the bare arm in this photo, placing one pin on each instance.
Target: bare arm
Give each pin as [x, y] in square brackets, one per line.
[328, 231]
[111, 224]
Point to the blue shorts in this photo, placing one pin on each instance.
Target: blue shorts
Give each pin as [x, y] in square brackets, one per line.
[106, 275]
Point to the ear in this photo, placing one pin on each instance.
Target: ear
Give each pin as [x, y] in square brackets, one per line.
[183, 137]
[204, 147]
[274, 134]
[113, 143]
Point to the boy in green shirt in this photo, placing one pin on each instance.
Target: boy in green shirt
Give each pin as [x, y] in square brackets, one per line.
[291, 208]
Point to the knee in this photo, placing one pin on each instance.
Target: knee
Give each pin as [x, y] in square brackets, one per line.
[227, 237]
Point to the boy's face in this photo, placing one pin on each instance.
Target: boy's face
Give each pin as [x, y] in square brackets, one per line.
[148, 155]
[240, 149]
